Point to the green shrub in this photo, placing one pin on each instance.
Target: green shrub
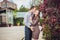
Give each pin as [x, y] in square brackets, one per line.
[47, 33]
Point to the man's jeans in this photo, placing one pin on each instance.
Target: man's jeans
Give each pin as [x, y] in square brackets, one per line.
[28, 33]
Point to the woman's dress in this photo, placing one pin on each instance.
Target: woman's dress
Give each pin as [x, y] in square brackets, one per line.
[35, 25]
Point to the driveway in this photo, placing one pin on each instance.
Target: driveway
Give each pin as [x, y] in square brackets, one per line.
[13, 33]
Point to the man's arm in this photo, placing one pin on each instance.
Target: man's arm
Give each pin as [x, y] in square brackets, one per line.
[25, 21]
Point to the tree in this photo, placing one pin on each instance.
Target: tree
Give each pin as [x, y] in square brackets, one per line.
[23, 9]
[36, 2]
[14, 13]
[51, 19]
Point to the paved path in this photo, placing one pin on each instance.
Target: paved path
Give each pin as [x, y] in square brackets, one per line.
[12, 33]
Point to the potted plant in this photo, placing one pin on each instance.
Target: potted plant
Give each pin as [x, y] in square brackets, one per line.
[18, 22]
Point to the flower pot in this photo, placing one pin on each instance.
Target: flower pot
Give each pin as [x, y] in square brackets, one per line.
[18, 24]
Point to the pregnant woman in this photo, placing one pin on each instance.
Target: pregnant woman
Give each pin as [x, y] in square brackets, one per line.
[35, 25]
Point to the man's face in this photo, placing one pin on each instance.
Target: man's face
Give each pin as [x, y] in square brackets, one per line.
[33, 9]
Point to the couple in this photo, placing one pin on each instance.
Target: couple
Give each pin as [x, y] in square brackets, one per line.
[32, 23]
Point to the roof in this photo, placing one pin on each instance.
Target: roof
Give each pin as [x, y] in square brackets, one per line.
[8, 4]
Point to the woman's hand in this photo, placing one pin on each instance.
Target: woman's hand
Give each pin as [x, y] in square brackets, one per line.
[31, 28]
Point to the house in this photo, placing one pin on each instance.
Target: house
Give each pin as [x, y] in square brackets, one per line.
[6, 10]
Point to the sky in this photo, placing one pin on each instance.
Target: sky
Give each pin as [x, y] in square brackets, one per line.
[26, 3]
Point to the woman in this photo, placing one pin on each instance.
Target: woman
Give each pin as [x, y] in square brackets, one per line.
[35, 25]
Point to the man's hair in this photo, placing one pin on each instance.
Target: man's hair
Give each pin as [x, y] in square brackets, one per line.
[32, 7]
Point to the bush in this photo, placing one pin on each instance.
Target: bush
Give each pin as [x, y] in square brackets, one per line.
[46, 31]
[18, 20]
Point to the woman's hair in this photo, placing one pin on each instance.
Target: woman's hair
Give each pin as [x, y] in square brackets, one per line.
[38, 13]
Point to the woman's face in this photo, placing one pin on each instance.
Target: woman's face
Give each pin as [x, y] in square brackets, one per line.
[36, 12]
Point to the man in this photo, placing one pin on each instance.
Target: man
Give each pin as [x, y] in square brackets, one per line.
[28, 32]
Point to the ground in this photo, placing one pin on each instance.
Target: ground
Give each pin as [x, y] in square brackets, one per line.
[13, 33]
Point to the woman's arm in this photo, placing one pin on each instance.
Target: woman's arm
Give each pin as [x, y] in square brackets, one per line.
[34, 22]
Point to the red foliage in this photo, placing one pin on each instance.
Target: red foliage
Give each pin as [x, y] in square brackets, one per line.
[42, 7]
